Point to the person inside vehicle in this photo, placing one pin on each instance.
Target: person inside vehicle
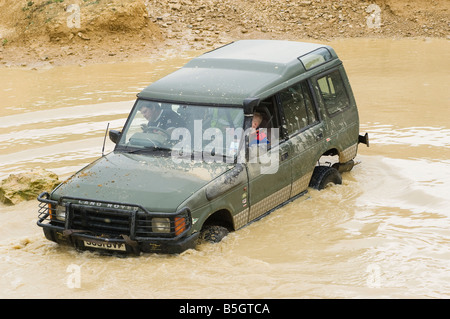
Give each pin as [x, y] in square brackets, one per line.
[163, 118]
[258, 136]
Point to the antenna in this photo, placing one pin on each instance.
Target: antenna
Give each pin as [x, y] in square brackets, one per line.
[104, 140]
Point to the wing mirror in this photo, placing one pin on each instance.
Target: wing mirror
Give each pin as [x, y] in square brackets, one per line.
[114, 136]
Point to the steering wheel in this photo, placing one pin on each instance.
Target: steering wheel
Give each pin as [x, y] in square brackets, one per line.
[152, 129]
[151, 136]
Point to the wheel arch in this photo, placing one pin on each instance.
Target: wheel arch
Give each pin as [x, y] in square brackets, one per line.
[221, 217]
[331, 152]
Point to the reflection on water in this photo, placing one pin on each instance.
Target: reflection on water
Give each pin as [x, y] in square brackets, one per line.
[384, 233]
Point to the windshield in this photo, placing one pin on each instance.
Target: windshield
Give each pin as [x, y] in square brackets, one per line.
[208, 133]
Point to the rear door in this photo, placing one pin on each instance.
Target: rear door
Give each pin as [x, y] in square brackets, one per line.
[305, 132]
[340, 111]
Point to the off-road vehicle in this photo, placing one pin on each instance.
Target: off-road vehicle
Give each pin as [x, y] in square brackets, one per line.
[234, 134]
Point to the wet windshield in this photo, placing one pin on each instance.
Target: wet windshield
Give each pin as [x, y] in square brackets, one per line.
[183, 130]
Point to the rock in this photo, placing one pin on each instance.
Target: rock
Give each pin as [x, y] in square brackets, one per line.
[26, 186]
[83, 36]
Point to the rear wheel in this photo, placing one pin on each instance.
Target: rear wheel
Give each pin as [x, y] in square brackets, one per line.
[324, 176]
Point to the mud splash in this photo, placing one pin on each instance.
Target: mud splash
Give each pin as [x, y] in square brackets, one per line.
[384, 233]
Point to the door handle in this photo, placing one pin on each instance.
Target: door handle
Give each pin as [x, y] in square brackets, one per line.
[284, 156]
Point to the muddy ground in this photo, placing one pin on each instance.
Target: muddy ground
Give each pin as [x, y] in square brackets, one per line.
[54, 32]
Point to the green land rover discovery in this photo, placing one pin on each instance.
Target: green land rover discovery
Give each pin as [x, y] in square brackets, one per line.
[234, 134]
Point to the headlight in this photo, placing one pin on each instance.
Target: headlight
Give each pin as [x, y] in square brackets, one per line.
[60, 212]
[160, 225]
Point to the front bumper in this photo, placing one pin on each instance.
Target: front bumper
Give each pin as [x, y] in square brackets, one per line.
[80, 240]
[114, 227]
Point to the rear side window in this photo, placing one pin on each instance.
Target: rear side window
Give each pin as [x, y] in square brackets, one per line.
[315, 58]
[333, 92]
[298, 108]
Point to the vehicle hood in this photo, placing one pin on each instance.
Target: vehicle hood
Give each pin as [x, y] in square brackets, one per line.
[156, 183]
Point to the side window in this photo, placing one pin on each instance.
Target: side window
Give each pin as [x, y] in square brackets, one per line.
[269, 119]
[333, 92]
[268, 107]
[298, 107]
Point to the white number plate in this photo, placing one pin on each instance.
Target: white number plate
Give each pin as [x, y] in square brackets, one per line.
[106, 245]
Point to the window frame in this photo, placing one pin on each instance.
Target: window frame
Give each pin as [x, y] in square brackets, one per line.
[277, 119]
[121, 146]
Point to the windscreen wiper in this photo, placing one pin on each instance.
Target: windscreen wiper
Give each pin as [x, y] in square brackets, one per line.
[146, 149]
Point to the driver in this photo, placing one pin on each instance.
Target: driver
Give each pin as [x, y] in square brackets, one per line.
[164, 118]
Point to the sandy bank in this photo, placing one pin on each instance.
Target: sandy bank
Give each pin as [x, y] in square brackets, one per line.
[55, 32]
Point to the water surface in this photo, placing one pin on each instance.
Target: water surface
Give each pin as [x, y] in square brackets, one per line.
[384, 233]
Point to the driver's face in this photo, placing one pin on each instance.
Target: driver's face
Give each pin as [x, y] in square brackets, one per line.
[149, 112]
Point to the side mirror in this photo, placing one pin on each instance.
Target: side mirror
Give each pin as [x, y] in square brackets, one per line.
[114, 136]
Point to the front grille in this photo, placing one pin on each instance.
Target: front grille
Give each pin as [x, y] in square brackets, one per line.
[112, 220]
[135, 223]
[101, 221]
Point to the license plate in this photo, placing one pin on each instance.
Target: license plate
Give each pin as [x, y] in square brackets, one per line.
[106, 245]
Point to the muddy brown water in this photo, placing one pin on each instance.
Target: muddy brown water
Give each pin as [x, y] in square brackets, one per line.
[384, 233]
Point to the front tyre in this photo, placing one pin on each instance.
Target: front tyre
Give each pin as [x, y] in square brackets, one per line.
[213, 233]
[324, 176]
